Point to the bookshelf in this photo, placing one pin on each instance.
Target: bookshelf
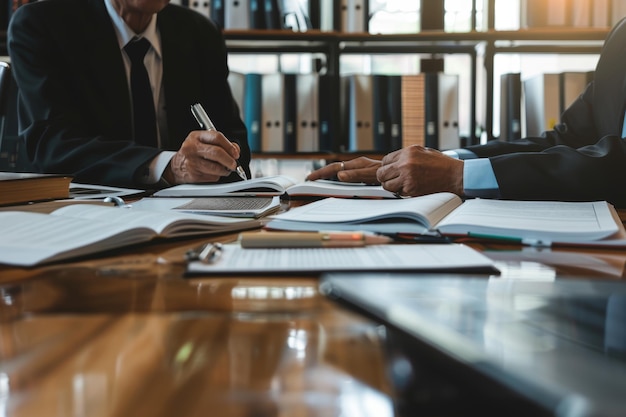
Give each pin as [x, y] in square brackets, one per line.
[481, 44]
[482, 47]
[561, 41]
[334, 45]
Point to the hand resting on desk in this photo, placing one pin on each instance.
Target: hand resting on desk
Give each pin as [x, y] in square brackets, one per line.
[411, 171]
[361, 169]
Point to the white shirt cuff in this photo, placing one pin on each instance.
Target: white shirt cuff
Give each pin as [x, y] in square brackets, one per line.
[157, 167]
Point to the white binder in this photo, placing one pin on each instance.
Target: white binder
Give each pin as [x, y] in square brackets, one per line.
[307, 86]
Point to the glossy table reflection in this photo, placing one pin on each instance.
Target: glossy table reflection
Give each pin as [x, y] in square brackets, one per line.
[124, 334]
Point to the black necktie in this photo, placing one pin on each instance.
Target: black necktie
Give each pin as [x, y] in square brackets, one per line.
[145, 132]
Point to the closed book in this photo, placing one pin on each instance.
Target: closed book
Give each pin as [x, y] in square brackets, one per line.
[201, 6]
[441, 111]
[256, 9]
[542, 13]
[394, 111]
[510, 106]
[448, 111]
[580, 13]
[343, 10]
[600, 14]
[413, 108]
[236, 14]
[354, 15]
[273, 15]
[541, 103]
[432, 13]
[307, 124]
[327, 15]
[272, 112]
[380, 114]
[217, 12]
[314, 8]
[253, 96]
[18, 187]
[360, 112]
[431, 110]
[327, 118]
[618, 11]
[290, 112]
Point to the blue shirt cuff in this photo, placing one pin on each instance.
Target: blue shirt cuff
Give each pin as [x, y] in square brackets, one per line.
[479, 179]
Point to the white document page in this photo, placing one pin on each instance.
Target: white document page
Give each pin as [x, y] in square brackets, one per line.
[392, 257]
[554, 220]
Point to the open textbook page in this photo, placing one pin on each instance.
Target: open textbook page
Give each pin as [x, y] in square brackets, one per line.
[274, 185]
[278, 185]
[548, 221]
[30, 238]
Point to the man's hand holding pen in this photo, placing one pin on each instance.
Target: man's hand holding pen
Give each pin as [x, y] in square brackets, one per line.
[204, 156]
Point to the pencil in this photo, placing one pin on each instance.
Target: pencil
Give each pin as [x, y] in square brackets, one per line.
[310, 239]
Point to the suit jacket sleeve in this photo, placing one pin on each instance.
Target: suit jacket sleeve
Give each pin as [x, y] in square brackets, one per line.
[584, 156]
[74, 105]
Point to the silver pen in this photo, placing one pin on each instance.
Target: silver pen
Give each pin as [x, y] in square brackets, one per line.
[205, 122]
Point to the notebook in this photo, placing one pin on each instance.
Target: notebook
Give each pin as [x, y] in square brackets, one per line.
[479, 343]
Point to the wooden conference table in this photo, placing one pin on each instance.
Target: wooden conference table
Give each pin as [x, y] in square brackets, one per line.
[123, 334]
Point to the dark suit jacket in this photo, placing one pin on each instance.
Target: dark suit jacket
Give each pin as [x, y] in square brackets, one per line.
[75, 111]
[584, 157]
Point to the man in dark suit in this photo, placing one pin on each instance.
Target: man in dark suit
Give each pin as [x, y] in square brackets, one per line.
[75, 105]
[583, 158]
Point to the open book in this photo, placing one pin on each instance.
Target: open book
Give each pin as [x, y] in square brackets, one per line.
[30, 238]
[530, 222]
[277, 185]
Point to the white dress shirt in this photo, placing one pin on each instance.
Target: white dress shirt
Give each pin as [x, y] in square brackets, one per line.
[154, 66]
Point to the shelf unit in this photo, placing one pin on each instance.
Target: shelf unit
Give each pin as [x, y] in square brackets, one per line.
[335, 44]
[534, 41]
[480, 46]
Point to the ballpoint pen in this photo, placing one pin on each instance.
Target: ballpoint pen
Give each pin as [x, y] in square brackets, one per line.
[309, 239]
[205, 122]
[538, 243]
